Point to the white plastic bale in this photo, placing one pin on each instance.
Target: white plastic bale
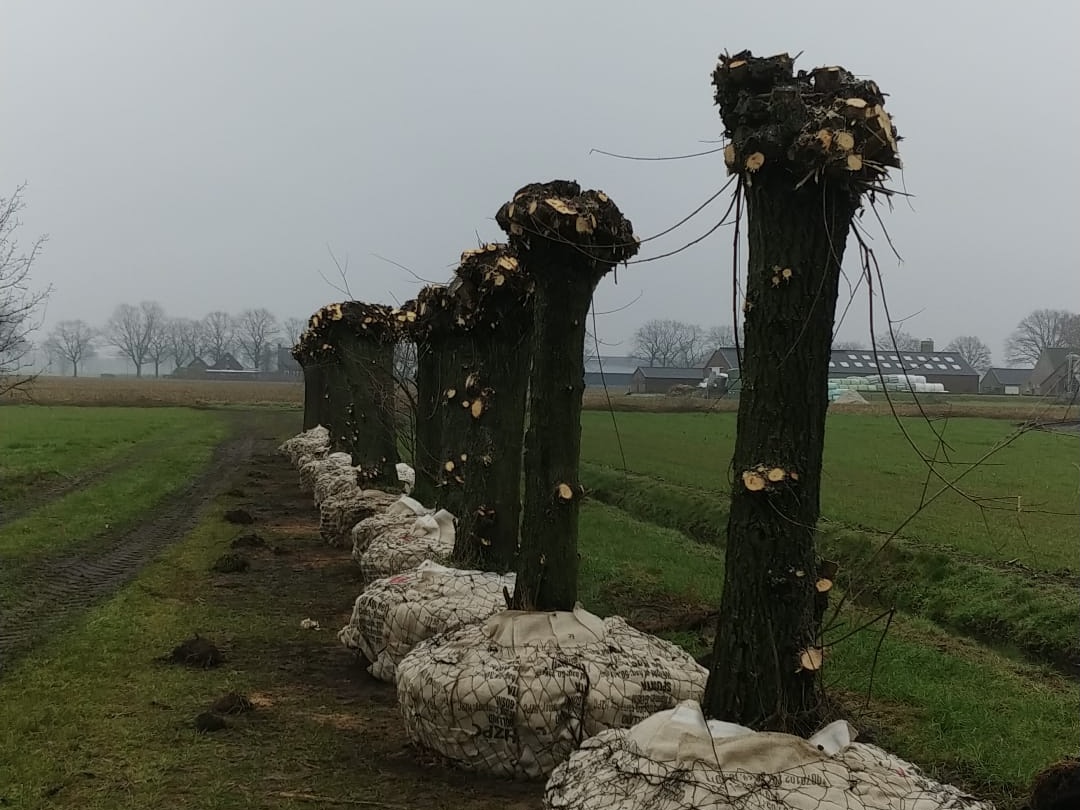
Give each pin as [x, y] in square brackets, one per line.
[674, 760]
[430, 537]
[407, 476]
[393, 614]
[339, 513]
[399, 516]
[515, 695]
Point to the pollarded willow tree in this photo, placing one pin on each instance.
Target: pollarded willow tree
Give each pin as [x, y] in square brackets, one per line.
[493, 310]
[354, 342]
[473, 357]
[437, 338]
[808, 149]
[307, 354]
[567, 240]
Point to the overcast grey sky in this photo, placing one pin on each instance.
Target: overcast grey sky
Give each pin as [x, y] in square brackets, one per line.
[204, 154]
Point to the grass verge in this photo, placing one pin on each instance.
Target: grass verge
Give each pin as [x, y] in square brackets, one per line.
[77, 518]
[1029, 612]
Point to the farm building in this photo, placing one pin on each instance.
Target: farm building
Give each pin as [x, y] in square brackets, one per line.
[1010, 381]
[655, 380]
[227, 363]
[947, 368]
[614, 372]
[1056, 373]
[287, 364]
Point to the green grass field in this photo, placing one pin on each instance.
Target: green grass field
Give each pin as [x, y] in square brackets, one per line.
[875, 477]
[985, 715]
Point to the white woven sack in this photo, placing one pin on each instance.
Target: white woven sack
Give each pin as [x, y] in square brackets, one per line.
[338, 514]
[674, 760]
[430, 537]
[314, 442]
[399, 516]
[395, 613]
[407, 476]
[515, 695]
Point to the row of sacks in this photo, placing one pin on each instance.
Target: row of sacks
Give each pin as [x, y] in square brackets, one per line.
[511, 693]
[609, 715]
[676, 760]
[333, 481]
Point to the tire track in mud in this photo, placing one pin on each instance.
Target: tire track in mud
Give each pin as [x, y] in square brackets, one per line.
[63, 586]
[79, 481]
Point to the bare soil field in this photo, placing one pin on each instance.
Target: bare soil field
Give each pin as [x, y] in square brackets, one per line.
[148, 392]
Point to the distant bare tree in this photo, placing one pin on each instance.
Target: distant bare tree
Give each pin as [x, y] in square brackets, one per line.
[1070, 332]
[665, 342]
[158, 339]
[973, 350]
[218, 333]
[132, 328]
[72, 342]
[293, 328]
[20, 306]
[1042, 329]
[897, 341]
[692, 346]
[184, 340]
[255, 329]
[850, 345]
[721, 337]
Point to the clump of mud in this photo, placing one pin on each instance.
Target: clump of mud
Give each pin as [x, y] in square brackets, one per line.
[249, 540]
[208, 722]
[232, 703]
[241, 517]
[1057, 787]
[231, 563]
[197, 652]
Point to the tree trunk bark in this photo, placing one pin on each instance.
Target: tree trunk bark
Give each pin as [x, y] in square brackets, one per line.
[496, 384]
[314, 394]
[427, 451]
[369, 367]
[765, 659]
[338, 408]
[547, 568]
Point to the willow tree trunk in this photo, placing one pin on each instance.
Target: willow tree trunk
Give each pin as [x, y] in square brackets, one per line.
[369, 366]
[803, 147]
[547, 570]
[338, 406]
[314, 395]
[452, 423]
[567, 240]
[497, 384]
[426, 450]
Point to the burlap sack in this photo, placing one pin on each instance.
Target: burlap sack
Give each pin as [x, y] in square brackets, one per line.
[395, 613]
[430, 537]
[674, 760]
[399, 516]
[515, 695]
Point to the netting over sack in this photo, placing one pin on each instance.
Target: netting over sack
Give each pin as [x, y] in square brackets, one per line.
[399, 516]
[393, 614]
[407, 476]
[316, 476]
[430, 537]
[515, 695]
[340, 512]
[313, 443]
[674, 760]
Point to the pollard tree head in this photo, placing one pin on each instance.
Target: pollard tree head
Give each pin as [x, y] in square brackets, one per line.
[587, 228]
[436, 317]
[490, 286]
[817, 125]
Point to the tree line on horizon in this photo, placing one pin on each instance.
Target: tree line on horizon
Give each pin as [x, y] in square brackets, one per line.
[670, 343]
[146, 336]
